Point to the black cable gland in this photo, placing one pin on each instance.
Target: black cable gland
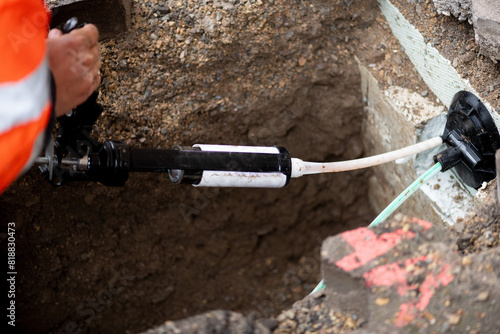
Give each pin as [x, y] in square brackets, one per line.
[472, 139]
[449, 158]
[111, 165]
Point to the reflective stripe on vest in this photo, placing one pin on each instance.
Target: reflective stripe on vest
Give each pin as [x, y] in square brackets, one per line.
[23, 101]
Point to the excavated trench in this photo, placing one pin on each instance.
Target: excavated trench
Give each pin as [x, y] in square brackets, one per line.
[93, 258]
[111, 259]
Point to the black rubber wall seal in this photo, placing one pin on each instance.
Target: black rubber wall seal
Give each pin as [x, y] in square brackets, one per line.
[472, 139]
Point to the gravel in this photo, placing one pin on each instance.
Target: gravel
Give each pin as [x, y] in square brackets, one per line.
[167, 69]
[480, 230]
[461, 9]
[311, 315]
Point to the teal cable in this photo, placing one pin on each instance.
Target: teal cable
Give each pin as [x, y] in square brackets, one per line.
[321, 285]
[396, 203]
[406, 193]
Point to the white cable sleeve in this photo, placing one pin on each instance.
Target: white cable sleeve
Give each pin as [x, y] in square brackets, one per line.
[300, 167]
[237, 148]
[242, 179]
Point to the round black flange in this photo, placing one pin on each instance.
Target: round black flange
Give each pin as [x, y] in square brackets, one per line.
[471, 129]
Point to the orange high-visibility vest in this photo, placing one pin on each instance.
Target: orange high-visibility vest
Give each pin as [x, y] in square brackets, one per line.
[25, 86]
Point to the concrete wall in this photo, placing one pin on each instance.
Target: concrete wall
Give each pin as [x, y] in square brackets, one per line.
[389, 125]
[395, 118]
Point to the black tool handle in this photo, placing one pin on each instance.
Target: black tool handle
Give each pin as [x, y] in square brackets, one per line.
[75, 127]
[71, 25]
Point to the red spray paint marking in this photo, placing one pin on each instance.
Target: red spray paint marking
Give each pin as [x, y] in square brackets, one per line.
[428, 286]
[367, 246]
[390, 274]
[396, 274]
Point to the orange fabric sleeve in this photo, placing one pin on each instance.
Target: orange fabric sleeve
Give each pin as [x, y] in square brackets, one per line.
[16, 147]
[23, 30]
[23, 27]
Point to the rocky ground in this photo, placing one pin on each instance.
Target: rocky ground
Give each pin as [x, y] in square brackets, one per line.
[481, 229]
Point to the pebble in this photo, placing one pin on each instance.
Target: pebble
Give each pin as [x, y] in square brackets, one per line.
[483, 296]
[381, 301]
[466, 261]
[488, 238]
[454, 319]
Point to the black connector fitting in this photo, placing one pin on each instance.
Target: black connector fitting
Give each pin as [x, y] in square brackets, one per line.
[449, 158]
[472, 139]
[111, 164]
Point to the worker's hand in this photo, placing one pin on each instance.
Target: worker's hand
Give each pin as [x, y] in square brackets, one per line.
[74, 63]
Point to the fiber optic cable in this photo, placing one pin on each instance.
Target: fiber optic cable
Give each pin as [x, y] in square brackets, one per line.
[300, 167]
[429, 174]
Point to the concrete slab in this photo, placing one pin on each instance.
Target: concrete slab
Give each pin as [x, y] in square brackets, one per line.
[484, 15]
[461, 9]
[486, 20]
[111, 17]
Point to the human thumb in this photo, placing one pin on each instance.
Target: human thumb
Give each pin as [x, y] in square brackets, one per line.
[54, 33]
